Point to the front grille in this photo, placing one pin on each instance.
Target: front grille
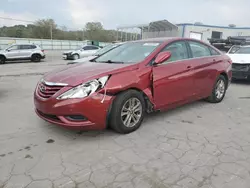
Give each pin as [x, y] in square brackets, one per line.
[46, 91]
[49, 116]
[240, 67]
[67, 54]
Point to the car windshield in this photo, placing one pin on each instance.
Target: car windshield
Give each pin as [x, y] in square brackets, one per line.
[105, 49]
[240, 50]
[129, 53]
[79, 48]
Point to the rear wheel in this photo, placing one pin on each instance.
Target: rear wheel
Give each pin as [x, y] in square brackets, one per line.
[127, 112]
[2, 59]
[36, 58]
[219, 90]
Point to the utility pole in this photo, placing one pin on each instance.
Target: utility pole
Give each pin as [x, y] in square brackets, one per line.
[51, 35]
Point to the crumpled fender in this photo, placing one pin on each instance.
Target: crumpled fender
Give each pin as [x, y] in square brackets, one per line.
[135, 79]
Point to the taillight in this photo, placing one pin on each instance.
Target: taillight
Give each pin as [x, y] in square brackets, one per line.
[42, 50]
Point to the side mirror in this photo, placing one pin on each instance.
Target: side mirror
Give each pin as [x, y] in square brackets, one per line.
[162, 57]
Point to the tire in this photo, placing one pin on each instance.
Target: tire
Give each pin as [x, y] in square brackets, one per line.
[36, 58]
[134, 117]
[216, 97]
[76, 56]
[2, 59]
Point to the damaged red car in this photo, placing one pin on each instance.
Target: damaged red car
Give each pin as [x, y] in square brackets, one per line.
[118, 88]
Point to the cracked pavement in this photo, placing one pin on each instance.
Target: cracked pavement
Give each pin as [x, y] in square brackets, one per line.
[199, 145]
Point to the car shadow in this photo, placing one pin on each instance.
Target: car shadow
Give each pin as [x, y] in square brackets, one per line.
[23, 61]
[58, 131]
[175, 111]
[241, 82]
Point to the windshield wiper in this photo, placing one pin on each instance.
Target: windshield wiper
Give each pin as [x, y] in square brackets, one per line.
[110, 61]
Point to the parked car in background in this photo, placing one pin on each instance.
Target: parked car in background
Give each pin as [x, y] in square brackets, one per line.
[240, 56]
[97, 54]
[22, 52]
[119, 87]
[81, 52]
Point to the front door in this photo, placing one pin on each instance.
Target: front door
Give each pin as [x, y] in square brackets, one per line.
[173, 80]
[13, 52]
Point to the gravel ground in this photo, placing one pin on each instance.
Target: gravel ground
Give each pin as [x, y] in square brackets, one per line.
[198, 145]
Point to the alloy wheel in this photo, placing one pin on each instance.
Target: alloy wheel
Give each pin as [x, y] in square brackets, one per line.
[131, 112]
[220, 89]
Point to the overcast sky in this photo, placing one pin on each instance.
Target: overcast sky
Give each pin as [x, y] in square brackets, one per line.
[113, 13]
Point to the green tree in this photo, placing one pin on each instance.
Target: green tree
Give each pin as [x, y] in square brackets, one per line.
[45, 28]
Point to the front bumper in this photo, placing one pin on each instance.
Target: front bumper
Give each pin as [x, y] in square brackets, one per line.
[68, 56]
[241, 75]
[241, 71]
[93, 108]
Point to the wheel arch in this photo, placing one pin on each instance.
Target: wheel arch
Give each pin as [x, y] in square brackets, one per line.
[36, 54]
[147, 95]
[224, 74]
[2, 55]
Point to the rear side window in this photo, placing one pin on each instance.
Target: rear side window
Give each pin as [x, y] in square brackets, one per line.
[90, 48]
[199, 50]
[94, 47]
[27, 47]
[178, 51]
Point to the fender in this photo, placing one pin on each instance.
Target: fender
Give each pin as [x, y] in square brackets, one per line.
[139, 79]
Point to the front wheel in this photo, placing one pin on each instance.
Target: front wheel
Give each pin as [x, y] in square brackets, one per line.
[76, 56]
[128, 111]
[2, 59]
[219, 90]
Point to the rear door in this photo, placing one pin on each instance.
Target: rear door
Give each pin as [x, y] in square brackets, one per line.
[173, 80]
[93, 49]
[26, 51]
[88, 51]
[204, 60]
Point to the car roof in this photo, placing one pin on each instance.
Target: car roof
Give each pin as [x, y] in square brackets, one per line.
[19, 44]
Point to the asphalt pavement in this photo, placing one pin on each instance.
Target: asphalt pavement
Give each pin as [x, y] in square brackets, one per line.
[198, 145]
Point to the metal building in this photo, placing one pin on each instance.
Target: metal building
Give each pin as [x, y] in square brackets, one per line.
[205, 32]
[162, 28]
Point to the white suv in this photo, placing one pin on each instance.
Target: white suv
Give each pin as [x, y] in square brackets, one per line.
[22, 52]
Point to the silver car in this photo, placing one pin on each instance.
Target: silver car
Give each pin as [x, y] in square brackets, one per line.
[97, 54]
[81, 52]
[22, 52]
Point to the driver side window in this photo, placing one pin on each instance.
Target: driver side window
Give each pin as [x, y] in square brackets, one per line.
[178, 51]
[15, 47]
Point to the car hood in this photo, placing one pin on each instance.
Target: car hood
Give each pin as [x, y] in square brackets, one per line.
[240, 58]
[67, 52]
[83, 60]
[77, 74]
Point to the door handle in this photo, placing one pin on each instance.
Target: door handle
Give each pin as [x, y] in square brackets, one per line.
[189, 67]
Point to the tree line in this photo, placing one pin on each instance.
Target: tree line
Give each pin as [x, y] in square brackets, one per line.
[47, 29]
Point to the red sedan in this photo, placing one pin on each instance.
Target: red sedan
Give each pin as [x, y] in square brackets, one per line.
[118, 88]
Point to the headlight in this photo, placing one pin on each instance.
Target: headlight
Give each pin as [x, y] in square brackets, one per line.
[85, 89]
